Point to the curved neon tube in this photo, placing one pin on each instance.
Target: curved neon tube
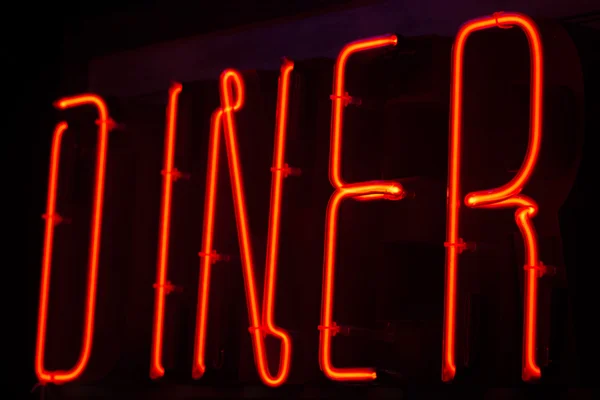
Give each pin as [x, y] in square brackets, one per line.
[340, 97]
[501, 195]
[52, 218]
[223, 117]
[363, 191]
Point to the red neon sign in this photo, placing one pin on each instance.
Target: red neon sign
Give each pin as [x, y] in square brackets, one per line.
[503, 196]
[52, 218]
[261, 316]
[259, 327]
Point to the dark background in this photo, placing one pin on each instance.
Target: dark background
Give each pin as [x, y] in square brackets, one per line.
[51, 61]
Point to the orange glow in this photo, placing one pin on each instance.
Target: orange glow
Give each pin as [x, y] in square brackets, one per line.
[162, 286]
[363, 191]
[503, 196]
[52, 218]
[259, 327]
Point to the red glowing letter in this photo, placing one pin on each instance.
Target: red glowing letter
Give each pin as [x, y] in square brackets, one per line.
[52, 218]
[503, 196]
[162, 286]
[231, 81]
[366, 191]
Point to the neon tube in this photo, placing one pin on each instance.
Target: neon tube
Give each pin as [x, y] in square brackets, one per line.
[162, 286]
[363, 191]
[501, 195]
[52, 218]
[224, 118]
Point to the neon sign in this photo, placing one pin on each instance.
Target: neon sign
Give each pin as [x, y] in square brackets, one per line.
[261, 315]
